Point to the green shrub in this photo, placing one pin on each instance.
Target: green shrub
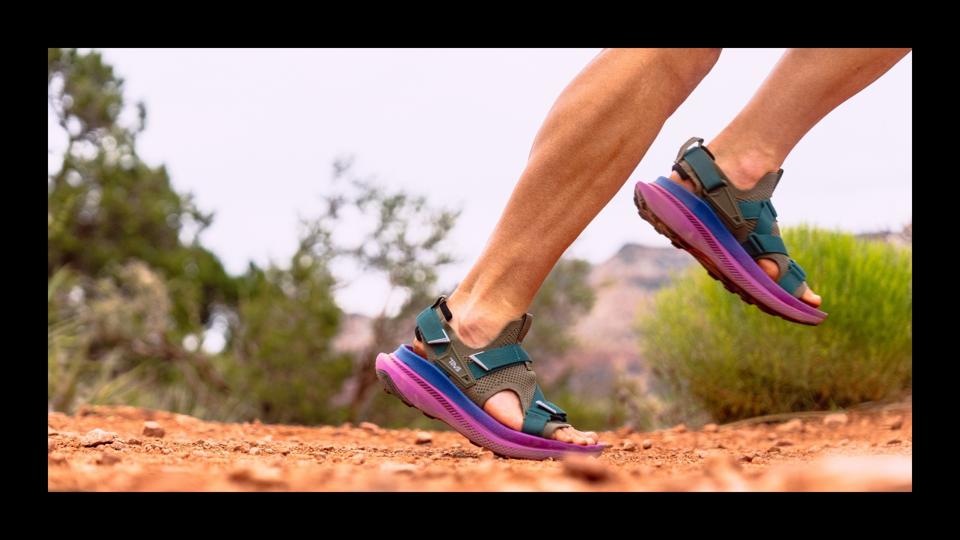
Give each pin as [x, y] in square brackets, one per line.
[734, 361]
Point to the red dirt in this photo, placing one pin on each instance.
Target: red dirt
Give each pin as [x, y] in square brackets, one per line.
[871, 451]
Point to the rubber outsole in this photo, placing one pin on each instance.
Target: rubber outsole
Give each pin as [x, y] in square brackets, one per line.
[423, 386]
[691, 225]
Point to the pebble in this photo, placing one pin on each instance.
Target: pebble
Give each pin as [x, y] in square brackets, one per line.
[747, 457]
[835, 420]
[97, 437]
[793, 426]
[773, 450]
[153, 429]
[424, 438]
[51, 431]
[784, 442]
[393, 467]
[254, 451]
[585, 468]
[629, 445]
[134, 441]
[647, 444]
[358, 460]
[679, 428]
[108, 458]
[369, 426]
[897, 423]
[710, 428]
[893, 441]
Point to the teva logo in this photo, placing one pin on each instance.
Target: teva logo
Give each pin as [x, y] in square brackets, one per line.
[454, 365]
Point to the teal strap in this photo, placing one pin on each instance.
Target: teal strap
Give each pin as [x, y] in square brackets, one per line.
[702, 164]
[485, 362]
[540, 412]
[762, 211]
[793, 277]
[760, 244]
[431, 328]
[754, 209]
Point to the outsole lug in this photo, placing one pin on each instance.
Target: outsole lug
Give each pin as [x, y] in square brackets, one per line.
[708, 265]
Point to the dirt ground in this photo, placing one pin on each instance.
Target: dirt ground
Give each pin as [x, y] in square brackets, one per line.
[142, 450]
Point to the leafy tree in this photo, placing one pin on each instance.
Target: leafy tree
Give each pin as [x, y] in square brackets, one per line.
[106, 206]
[400, 237]
[281, 358]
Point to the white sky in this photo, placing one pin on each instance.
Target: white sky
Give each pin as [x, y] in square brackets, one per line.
[253, 133]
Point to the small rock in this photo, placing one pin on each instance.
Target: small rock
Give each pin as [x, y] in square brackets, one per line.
[897, 423]
[835, 420]
[843, 442]
[487, 455]
[747, 457]
[258, 475]
[153, 429]
[424, 437]
[456, 445]
[134, 441]
[108, 458]
[393, 467]
[784, 442]
[793, 426]
[893, 442]
[255, 451]
[773, 450]
[710, 428]
[679, 428]
[647, 444]
[56, 459]
[585, 468]
[629, 445]
[97, 437]
[51, 431]
[358, 460]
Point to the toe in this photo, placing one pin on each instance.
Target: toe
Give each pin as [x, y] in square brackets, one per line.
[771, 269]
[811, 297]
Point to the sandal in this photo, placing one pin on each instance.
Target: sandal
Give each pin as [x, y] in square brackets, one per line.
[727, 229]
[454, 383]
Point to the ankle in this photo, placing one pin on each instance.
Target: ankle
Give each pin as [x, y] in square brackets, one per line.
[745, 168]
[477, 322]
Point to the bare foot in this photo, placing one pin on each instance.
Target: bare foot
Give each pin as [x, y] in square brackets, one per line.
[505, 407]
[768, 266]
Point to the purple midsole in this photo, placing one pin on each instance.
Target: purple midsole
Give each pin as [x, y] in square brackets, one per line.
[499, 438]
[747, 276]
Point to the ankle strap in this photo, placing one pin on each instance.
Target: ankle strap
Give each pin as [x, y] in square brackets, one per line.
[698, 164]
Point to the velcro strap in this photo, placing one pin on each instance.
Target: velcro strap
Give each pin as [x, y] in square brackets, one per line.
[792, 278]
[538, 415]
[760, 244]
[493, 359]
[431, 328]
[754, 209]
[706, 170]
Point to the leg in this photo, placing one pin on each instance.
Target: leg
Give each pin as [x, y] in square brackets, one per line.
[803, 88]
[592, 139]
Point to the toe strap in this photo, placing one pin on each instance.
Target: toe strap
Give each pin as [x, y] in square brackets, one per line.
[543, 417]
[793, 280]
